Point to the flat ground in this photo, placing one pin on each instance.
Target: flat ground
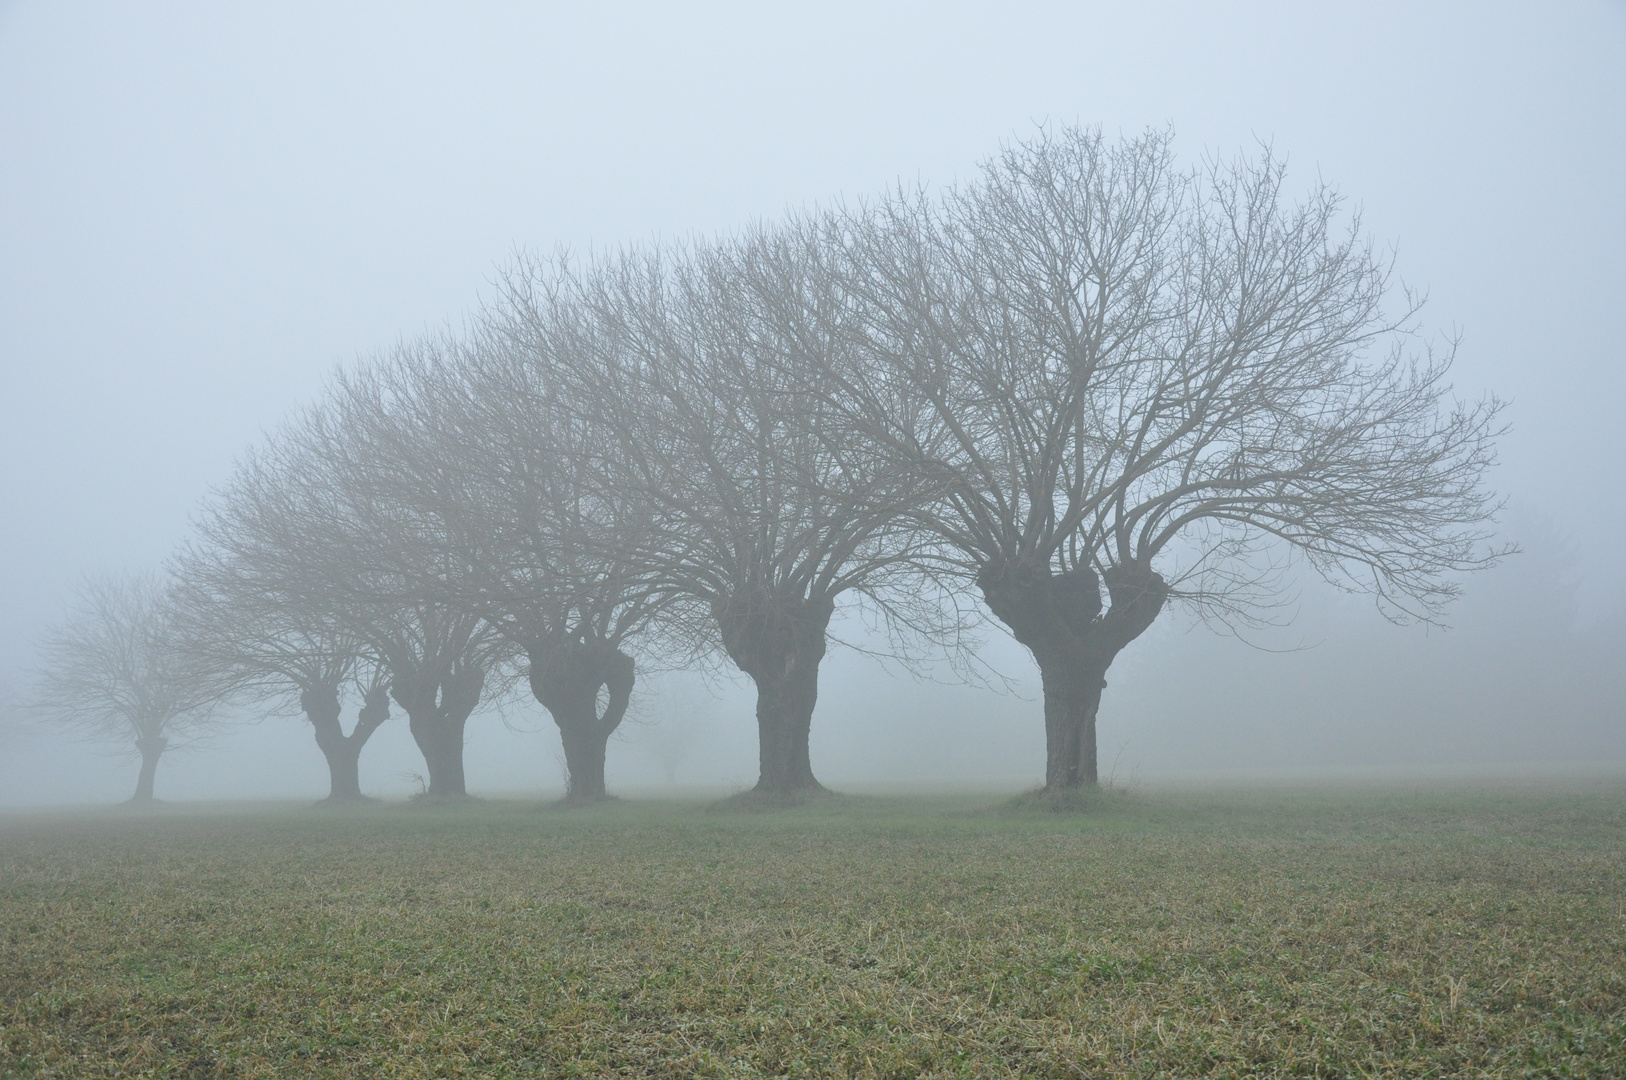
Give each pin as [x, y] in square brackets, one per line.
[1469, 933]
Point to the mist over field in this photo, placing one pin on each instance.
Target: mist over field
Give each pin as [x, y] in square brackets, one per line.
[205, 212]
[865, 541]
[1525, 683]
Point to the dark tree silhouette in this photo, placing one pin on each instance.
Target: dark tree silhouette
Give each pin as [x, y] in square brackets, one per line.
[262, 645]
[302, 515]
[714, 368]
[1138, 384]
[471, 439]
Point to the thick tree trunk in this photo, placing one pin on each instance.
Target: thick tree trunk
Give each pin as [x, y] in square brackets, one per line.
[344, 772]
[566, 678]
[440, 741]
[436, 714]
[151, 750]
[459, 694]
[1059, 617]
[779, 643]
[343, 752]
[1072, 697]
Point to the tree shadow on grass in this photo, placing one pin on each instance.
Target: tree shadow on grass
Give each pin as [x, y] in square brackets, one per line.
[571, 802]
[346, 802]
[752, 801]
[1079, 800]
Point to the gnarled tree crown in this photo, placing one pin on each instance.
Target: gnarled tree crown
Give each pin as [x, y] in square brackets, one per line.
[1113, 366]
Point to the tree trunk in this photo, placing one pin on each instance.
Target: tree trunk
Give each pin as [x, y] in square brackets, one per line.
[1072, 697]
[320, 701]
[343, 752]
[436, 714]
[566, 678]
[779, 643]
[344, 772]
[1059, 617]
[151, 750]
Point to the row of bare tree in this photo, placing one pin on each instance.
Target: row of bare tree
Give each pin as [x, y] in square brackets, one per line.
[1080, 387]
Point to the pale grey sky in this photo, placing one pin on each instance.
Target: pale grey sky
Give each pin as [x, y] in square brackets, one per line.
[205, 207]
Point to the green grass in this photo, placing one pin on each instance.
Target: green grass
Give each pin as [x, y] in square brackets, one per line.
[1357, 934]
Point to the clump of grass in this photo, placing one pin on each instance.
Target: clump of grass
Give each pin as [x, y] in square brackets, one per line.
[1202, 935]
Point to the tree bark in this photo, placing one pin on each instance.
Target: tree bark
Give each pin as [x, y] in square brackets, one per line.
[566, 678]
[779, 644]
[437, 711]
[1072, 698]
[151, 750]
[343, 752]
[1059, 617]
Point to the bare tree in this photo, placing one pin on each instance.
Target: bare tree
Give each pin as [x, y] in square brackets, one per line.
[568, 589]
[1138, 384]
[714, 370]
[113, 672]
[468, 436]
[303, 517]
[264, 645]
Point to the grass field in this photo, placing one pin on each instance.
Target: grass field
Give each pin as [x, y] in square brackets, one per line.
[1357, 934]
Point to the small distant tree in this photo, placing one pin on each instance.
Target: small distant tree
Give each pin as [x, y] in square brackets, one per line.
[681, 727]
[114, 672]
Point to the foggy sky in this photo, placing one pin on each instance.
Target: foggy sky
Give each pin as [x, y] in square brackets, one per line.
[204, 209]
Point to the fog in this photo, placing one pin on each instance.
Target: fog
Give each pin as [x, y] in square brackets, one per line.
[204, 211]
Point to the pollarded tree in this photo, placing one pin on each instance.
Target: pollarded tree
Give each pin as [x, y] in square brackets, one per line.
[468, 438]
[301, 515]
[1140, 384]
[262, 645]
[716, 370]
[113, 671]
[568, 588]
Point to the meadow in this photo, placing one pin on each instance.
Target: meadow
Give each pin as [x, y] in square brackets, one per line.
[1158, 934]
